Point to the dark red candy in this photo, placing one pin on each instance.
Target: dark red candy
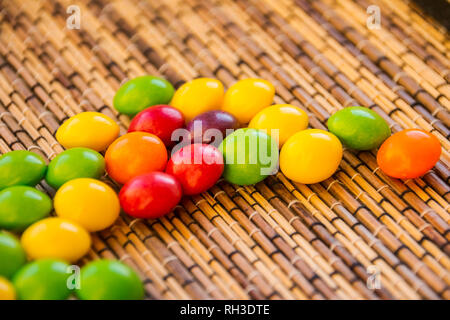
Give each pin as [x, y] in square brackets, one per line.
[151, 195]
[200, 126]
[160, 120]
[197, 167]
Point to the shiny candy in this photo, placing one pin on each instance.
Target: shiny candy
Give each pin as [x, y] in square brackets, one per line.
[359, 128]
[109, 280]
[198, 96]
[134, 154]
[44, 279]
[91, 130]
[7, 291]
[247, 97]
[409, 154]
[211, 127]
[12, 255]
[74, 163]
[21, 206]
[151, 195]
[310, 156]
[280, 121]
[142, 92]
[56, 238]
[250, 155]
[197, 167]
[161, 120]
[21, 168]
[91, 203]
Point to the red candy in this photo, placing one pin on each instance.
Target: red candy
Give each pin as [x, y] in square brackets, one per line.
[160, 120]
[150, 195]
[197, 167]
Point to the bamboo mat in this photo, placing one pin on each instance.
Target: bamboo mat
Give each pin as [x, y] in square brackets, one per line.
[277, 239]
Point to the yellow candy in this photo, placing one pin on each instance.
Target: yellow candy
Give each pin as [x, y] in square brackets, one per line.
[198, 96]
[310, 156]
[88, 202]
[91, 130]
[56, 238]
[7, 291]
[247, 97]
[285, 118]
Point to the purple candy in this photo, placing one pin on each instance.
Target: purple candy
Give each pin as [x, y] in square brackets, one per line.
[212, 127]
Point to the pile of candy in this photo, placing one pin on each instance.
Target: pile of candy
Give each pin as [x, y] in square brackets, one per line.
[155, 171]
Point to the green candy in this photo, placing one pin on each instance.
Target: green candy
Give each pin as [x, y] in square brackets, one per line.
[74, 163]
[359, 128]
[12, 255]
[21, 206]
[21, 167]
[44, 279]
[142, 92]
[109, 280]
[250, 156]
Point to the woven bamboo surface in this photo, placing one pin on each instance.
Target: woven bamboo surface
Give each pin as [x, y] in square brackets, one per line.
[277, 239]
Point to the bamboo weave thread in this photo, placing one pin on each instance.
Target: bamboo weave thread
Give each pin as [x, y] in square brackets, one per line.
[278, 239]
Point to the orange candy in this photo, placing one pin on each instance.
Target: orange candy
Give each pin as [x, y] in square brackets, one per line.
[134, 154]
[409, 154]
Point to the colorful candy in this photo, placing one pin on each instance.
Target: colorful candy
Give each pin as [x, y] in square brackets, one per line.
[247, 97]
[197, 167]
[409, 154]
[109, 280]
[21, 206]
[44, 279]
[56, 238]
[134, 154]
[151, 195]
[91, 130]
[161, 120]
[7, 291]
[211, 127]
[310, 156]
[250, 156]
[142, 92]
[21, 168]
[12, 255]
[198, 96]
[359, 128]
[91, 203]
[74, 163]
[280, 121]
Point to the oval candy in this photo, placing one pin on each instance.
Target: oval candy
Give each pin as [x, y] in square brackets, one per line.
[56, 238]
[198, 96]
[21, 167]
[280, 121]
[197, 167]
[409, 154]
[44, 279]
[247, 97]
[90, 203]
[134, 154]
[359, 128]
[250, 155]
[310, 156]
[12, 255]
[7, 291]
[20, 206]
[91, 130]
[151, 195]
[142, 92]
[109, 280]
[212, 127]
[160, 120]
[74, 163]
